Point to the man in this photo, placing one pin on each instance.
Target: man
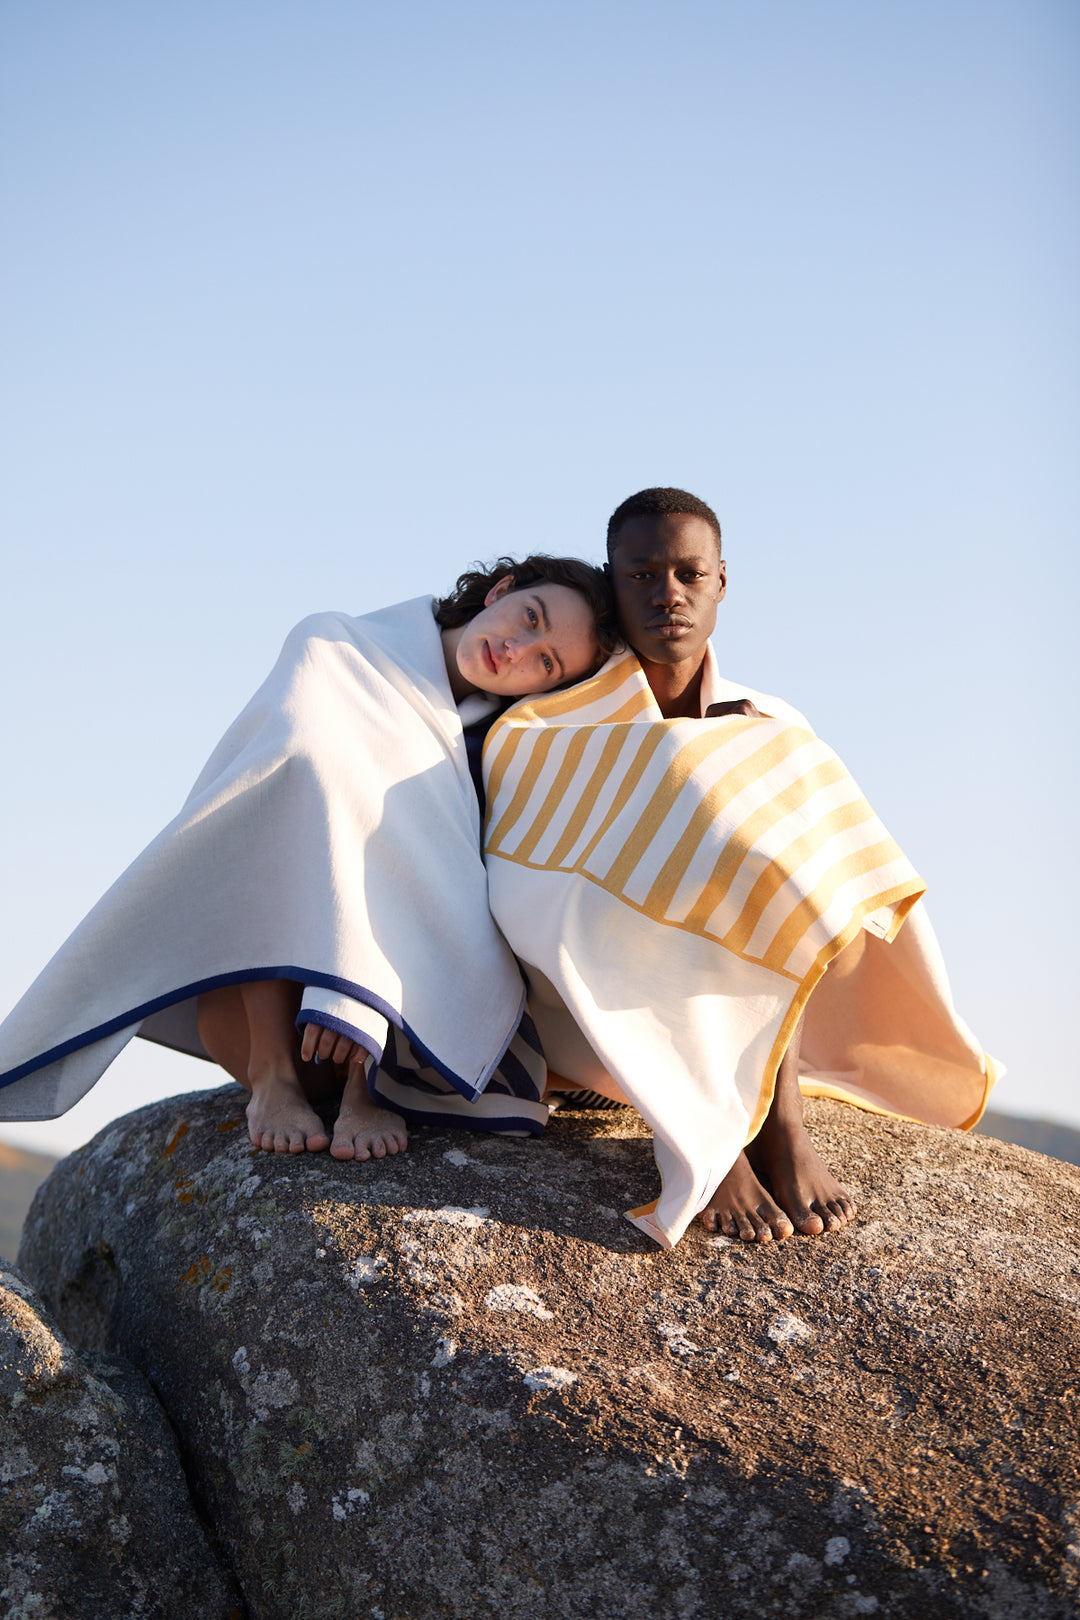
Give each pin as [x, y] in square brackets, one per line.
[682, 896]
[664, 558]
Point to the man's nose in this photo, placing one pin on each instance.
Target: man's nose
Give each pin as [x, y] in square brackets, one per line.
[668, 590]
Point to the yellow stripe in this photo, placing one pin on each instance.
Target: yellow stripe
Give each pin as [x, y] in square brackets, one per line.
[735, 849]
[638, 704]
[578, 871]
[650, 742]
[509, 742]
[739, 842]
[589, 795]
[557, 704]
[541, 748]
[902, 909]
[859, 863]
[838, 1093]
[902, 895]
[689, 757]
[990, 1078]
[787, 861]
[555, 794]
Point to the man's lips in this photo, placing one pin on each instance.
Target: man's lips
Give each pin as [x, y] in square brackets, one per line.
[668, 626]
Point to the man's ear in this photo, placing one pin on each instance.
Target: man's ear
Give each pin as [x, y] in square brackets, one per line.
[723, 580]
[500, 588]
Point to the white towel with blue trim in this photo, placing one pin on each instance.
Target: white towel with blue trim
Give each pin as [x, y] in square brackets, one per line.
[333, 838]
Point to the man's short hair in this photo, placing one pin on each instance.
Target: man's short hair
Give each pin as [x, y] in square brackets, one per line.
[659, 503]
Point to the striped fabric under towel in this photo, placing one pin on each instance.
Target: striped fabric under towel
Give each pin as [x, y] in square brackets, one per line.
[675, 889]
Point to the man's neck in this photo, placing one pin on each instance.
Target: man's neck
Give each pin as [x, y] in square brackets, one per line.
[676, 688]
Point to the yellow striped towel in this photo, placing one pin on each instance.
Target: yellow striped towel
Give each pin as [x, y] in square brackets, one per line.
[675, 889]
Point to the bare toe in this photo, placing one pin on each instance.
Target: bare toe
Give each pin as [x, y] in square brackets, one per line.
[801, 1182]
[741, 1208]
[808, 1221]
[280, 1118]
[366, 1132]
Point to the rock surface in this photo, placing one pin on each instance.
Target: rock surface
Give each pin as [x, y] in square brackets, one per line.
[456, 1384]
[95, 1515]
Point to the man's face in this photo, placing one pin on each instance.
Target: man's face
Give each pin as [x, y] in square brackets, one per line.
[668, 578]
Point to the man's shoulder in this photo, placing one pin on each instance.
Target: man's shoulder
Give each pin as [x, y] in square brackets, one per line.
[720, 689]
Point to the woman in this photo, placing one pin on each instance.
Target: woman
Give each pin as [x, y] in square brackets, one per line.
[326, 867]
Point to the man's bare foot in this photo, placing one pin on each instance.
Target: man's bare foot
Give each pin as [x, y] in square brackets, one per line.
[741, 1208]
[281, 1119]
[801, 1181]
[363, 1130]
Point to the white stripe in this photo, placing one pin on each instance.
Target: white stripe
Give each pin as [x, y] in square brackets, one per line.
[806, 877]
[772, 844]
[679, 811]
[570, 800]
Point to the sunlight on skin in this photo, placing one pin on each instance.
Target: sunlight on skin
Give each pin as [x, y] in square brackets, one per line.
[522, 641]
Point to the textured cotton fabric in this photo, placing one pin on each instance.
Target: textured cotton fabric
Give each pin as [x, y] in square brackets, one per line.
[676, 889]
[333, 839]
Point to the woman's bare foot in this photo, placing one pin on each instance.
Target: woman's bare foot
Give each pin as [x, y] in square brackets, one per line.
[363, 1130]
[801, 1181]
[281, 1119]
[741, 1208]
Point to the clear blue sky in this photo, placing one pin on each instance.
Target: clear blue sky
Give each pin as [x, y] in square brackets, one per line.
[308, 305]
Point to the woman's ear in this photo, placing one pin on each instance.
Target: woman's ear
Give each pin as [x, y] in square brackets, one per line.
[500, 588]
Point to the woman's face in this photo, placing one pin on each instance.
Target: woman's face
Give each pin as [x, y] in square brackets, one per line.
[528, 640]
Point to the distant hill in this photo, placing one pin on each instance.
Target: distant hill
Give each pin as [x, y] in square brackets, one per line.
[22, 1173]
[1040, 1135]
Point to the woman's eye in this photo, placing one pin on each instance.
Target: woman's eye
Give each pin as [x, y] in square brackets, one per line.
[548, 665]
[531, 617]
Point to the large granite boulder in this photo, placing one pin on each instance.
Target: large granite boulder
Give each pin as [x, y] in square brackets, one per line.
[457, 1384]
[95, 1516]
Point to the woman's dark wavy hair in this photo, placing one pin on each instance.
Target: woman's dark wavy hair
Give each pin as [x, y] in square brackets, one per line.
[466, 600]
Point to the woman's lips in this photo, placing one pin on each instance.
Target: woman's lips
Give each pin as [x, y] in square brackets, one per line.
[488, 658]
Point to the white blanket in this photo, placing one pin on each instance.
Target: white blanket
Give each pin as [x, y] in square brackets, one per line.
[676, 889]
[333, 838]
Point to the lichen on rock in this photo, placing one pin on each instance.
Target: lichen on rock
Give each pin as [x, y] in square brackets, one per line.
[95, 1514]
